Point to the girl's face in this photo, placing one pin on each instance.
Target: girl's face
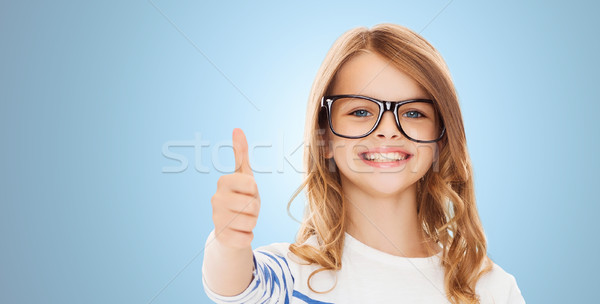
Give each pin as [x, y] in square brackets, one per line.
[373, 164]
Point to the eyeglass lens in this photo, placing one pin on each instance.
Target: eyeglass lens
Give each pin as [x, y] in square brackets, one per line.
[353, 117]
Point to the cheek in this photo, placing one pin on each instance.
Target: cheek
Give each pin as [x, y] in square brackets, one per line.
[344, 152]
[330, 141]
[340, 149]
[424, 157]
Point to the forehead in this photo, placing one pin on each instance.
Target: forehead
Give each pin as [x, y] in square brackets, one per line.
[371, 75]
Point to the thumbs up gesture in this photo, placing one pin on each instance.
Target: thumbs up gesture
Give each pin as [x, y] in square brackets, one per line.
[236, 203]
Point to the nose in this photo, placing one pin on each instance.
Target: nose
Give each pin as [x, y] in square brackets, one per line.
[387, 127]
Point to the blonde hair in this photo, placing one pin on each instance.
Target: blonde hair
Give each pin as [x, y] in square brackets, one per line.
[445, 196]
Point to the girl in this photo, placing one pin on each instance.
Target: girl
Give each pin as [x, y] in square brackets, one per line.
[391, 214]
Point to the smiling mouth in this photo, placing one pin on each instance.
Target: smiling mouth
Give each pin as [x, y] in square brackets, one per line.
[384, 157]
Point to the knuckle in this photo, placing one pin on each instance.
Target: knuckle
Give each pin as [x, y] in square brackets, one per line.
[214, 200]
[248, 223]
[254, 189]
[253, 220]
[250, 185]
[221, 181]
[254, 207]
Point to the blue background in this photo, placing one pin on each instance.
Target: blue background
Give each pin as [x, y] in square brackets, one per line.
[96, 96]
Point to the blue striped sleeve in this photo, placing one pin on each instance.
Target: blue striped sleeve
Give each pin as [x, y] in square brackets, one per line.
[272, 282]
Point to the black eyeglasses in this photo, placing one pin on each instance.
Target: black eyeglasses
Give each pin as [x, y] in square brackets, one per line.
[356, 116]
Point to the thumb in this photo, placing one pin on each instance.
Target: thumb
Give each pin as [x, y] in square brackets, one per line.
[240, 151]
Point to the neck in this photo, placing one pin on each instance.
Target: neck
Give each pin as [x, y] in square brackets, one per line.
[387, 223]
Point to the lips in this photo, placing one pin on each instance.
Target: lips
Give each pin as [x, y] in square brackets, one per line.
[385, 157]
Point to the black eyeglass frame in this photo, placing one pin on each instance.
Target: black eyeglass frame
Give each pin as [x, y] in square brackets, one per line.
[328, 100]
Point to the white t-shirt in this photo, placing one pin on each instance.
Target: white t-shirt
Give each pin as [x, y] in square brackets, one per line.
[367, 276]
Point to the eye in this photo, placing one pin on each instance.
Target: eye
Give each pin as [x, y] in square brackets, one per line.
[361, 113]
[413, 114]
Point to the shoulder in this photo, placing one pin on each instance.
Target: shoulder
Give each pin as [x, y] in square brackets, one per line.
[499, 285]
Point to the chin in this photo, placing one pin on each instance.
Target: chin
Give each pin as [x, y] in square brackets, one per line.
[386, 187]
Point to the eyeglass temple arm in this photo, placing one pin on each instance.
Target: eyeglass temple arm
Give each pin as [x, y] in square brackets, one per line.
[323, 101]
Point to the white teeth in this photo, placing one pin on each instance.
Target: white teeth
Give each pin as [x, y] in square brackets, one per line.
[385, 157]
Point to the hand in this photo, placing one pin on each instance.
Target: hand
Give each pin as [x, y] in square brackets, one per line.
[236, 203]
